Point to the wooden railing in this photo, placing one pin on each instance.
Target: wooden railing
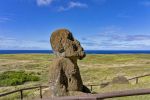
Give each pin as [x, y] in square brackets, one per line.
[107, 95]
[137, 78]
[112, 94]
[124, 93]
[103, 84]
[21, 91]
[101, 96]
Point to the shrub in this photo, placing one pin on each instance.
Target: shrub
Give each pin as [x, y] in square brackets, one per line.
[12, 78]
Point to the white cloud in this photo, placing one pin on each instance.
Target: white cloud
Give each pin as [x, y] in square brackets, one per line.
[7, 43]
[110, 43]
[145, 3]
[121, 15]
[72, 5]
[4, 19]
[44, 2]
[111, 38]
[77, 4]
[62, 5]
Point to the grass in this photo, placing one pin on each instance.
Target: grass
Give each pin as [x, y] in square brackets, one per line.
[94, 70]
[13, 78]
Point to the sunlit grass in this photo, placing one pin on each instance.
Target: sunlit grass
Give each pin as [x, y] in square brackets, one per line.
[94, 69]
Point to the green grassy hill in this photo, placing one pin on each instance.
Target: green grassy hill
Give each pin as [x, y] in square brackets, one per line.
[94, 70]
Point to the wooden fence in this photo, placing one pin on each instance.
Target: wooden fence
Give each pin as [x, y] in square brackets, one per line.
[105, 84]
[21, 91]
[107, 95]
[102, 96]
[137, 78]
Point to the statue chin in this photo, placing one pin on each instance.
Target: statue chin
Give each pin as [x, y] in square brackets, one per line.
[81, 57]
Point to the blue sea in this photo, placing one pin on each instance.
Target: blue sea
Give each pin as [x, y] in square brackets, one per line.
[87, 51]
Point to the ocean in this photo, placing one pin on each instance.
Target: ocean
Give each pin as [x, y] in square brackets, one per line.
[87, 51]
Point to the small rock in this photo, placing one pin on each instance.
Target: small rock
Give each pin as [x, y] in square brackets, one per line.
[120, 80]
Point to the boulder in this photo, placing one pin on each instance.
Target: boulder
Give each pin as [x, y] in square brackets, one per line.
[120, 80]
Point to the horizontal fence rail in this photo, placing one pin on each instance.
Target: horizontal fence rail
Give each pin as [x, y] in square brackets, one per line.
[137, 78]
[107, 95]
[21, 91]
[135, 92]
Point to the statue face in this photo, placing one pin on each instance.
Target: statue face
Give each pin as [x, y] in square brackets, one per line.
[64, 44]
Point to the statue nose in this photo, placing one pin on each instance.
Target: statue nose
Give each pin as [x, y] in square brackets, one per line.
[84, 54]
[82, 49]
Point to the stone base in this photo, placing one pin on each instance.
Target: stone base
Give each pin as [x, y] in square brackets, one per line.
[48, 93]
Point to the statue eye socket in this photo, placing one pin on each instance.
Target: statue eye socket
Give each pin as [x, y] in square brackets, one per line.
[62, 50]
[70, 37]
[75, 48]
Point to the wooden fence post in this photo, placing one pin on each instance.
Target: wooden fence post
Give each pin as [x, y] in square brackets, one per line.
[91, 87]
[136, 80]
[41, 92]
[21, 94]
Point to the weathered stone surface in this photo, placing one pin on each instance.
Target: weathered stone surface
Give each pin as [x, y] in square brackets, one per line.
[64, 44]
[64, 73]
[120, 80]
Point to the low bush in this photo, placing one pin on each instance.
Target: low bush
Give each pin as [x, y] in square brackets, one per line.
[12, 78]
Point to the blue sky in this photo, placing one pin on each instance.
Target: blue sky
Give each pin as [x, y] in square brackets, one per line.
[97, 24]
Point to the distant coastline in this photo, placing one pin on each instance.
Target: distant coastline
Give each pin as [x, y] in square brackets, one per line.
[87, 51]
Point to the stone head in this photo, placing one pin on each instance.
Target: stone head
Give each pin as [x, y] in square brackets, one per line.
[65, 45]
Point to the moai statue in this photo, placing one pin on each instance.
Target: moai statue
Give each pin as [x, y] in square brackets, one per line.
[64, 72]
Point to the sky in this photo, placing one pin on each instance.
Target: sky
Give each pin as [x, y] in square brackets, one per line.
[97, 24]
